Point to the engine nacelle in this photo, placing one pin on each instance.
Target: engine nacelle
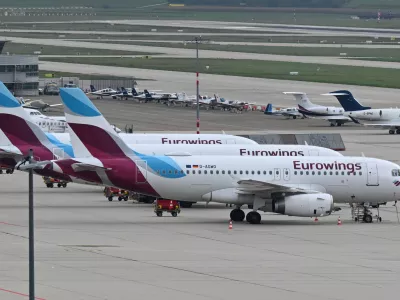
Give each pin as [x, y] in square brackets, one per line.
[304, 205]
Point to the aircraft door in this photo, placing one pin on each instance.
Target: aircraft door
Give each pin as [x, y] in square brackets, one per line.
[141, 171]
[58, 153]
[286, 174]
[277, 174]
[372, 174]
[313, 152]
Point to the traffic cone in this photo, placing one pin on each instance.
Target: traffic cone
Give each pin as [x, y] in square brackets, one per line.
[316, 219]
[339, 222]
[230, 224]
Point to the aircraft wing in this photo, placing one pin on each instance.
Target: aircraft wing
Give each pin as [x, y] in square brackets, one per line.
[9, 153]
[54, 105]
[265, 189]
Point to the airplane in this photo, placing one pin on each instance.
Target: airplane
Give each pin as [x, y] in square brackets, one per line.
[47, 123]
[289, 112]
[385, 118]
[102, 93]
[170, 143]
[37, 104]
[330, 113]
[300, 186]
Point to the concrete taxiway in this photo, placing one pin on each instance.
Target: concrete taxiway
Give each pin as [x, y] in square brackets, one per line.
[90, 248]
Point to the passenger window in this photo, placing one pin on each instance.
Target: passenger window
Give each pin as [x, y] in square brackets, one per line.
[187, 172]
[286, 173]
[306, 172]
[337, 173]
[241, 172]
[170, 171]
[252, 172]
[163, 171]
[270, 172]
[223, 172]
[199, 172]
[319, 172]
[247, 172]
[258, 172]
[330, 173]
[176, 171]
[301, 172]
[325, 173]
[265, 172]
[234, 172]
[313, 173]
[158, 171]
[211, 172]
[229, 172]
[217, 172]
[360, 173]
[342, 172]
[194, 172]
[295, 172]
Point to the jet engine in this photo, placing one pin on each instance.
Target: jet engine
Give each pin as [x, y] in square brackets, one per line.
[304, 205]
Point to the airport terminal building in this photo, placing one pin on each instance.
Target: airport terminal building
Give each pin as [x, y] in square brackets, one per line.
[20, 73]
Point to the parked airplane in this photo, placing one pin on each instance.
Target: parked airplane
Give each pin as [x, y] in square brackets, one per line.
[386, 118]
[47, 123]
[102, 93]
[301, 186]
[289, 112]
[330, 113]
[37, 104]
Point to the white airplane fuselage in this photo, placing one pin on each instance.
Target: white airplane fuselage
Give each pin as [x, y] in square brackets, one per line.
[217, 179]
[386, 114]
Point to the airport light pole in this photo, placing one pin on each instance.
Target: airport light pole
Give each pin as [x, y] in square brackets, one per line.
[31, 233]
[197, 40]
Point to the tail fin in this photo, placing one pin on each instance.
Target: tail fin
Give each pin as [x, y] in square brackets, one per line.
[24, 134]
[347, 100]
[268, 109]
[301, 99]
[124, 91]
[92, 88]
[91, 134]
[134, 92]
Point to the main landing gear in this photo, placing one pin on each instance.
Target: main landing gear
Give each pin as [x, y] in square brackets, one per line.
[393, 131]
[238, 215]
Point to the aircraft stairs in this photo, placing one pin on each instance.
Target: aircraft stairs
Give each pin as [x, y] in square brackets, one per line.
[363, 212]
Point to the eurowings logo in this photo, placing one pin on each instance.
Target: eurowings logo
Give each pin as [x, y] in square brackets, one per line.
[396, 182]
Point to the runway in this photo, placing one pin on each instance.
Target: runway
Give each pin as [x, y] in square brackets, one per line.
[260, 91]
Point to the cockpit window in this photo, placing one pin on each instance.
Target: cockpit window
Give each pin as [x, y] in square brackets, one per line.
[395, 173]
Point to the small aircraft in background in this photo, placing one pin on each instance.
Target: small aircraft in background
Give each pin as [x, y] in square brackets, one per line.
[102, 93]
[334, 115]
[385, 118]
[288, 112]
[37, 104]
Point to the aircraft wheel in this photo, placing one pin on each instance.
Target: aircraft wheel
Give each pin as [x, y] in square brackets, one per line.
[294, 117]
[367, 218]
[253, 217]
[1, 171]
[339, 124]
[110, 198]
[397, 131]
[237, 215]
[391, 131]
[332, 125]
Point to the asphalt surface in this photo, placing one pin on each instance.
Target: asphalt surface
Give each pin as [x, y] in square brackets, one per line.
[90, 248]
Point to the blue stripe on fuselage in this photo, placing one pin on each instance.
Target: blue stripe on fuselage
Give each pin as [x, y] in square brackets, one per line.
[162, 164]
